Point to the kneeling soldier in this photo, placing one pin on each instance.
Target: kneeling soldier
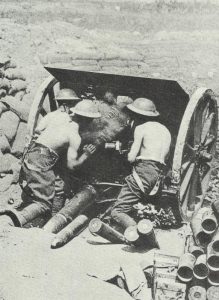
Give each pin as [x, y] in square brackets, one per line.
[58, 136]
[148, 154]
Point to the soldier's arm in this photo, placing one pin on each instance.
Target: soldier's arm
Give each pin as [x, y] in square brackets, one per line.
[73, 160]
[136, 146]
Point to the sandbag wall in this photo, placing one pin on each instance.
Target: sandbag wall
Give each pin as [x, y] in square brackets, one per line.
[14, 110]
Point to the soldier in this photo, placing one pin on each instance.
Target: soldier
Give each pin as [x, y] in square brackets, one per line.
[148, 153]
[58, 135]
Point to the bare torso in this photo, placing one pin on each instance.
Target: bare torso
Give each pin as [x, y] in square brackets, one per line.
[151, 142]
[55, 130]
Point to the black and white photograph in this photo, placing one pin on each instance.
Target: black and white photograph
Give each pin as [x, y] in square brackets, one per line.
[109, 149]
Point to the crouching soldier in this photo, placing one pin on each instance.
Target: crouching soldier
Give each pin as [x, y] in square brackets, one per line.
[58, 136]
[148, 153]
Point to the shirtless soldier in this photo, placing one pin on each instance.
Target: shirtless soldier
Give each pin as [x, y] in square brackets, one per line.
[66, 100]
[58, 136]
[147, 154]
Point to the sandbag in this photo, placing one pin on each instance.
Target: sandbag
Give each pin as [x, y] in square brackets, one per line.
[2, 93]
[21, 109]
[10, 64]
[60, 58]
[19, 142]
[5, 84]
[4, 60]
[4, 144]
[19, 95]
[13, 74]
[84, 62]
[6, 163]
[87, 54]
[16, 86]
[5, 182]
[2, 73]
[9, 122]
[113, 63]
[16, 168]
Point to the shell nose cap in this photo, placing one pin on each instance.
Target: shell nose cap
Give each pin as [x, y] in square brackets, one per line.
[144, 106]
[86, 108]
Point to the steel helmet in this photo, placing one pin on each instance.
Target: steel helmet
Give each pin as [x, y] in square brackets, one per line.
[67, 95]
[144, 106]
[86, 108]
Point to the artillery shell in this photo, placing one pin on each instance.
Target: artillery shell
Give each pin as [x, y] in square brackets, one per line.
[209, 222]
[200, 270]
[213, 257]
[31, 212]
[132, 236]
[197, 293]
[96, 226]
[213, 293]
[186, 266]
[81, 201]
[146, 233]
[201, 238]
[72, 209]
[213, 278]
[70, 231]
[56, 223]
[196, 250]
[215, 208]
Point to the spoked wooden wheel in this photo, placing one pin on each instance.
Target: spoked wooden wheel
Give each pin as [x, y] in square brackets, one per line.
[195, 151]
[43, 102]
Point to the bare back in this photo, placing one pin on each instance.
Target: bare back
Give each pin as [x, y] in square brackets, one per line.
[151, 142]
[57, 130]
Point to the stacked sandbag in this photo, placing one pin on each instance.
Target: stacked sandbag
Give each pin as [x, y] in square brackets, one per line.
[13, 87]
[14, 111]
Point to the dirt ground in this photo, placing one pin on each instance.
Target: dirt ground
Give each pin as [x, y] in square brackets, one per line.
[160, 39]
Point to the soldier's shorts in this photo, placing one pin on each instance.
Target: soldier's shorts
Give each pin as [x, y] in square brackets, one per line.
[37, 177]
[130, 194]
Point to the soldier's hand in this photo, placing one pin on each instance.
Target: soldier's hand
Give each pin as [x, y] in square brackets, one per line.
[131, 159]
[89, 149]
